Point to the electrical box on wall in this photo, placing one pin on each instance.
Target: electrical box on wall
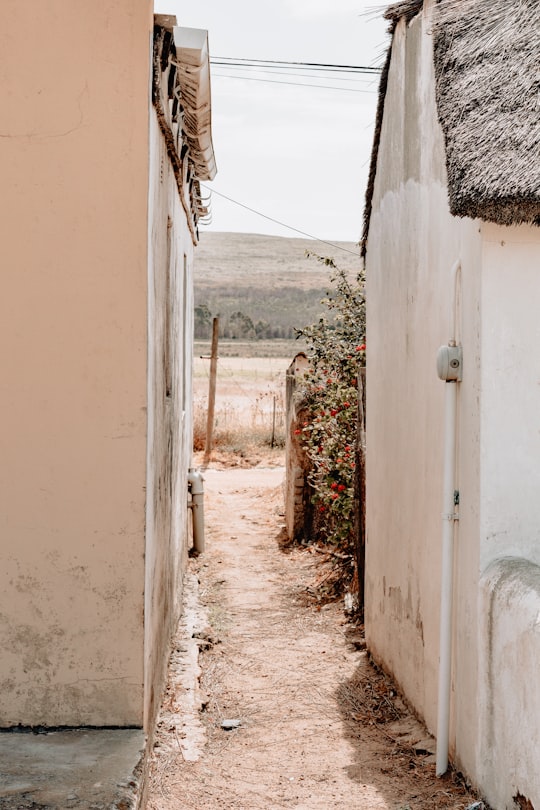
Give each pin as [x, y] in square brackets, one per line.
[450, 363]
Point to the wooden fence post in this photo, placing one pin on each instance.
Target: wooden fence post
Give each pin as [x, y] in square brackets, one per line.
[211, 391]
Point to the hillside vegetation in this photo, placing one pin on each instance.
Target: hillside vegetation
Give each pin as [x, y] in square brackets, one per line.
[262, 287]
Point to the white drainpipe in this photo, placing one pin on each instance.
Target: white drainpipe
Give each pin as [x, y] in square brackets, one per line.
[449, 368]
[196, 504]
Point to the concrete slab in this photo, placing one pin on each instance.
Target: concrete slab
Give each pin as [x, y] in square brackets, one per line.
[83, 768]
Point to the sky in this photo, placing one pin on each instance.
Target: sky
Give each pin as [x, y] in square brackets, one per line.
[297, 154]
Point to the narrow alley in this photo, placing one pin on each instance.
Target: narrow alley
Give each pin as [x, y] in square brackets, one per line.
[292, 714]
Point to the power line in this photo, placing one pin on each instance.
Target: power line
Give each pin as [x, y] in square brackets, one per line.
[292, 84]
[306, 74]
[283, 224]
[363, 68]
[303, 70]
[277, 68]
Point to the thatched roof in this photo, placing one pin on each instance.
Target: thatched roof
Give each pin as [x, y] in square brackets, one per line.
[487, 68]
[406, 8]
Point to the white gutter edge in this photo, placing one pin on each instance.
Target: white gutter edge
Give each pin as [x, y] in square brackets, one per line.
[193, 64]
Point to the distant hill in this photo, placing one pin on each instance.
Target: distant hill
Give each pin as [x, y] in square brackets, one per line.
[262, 286]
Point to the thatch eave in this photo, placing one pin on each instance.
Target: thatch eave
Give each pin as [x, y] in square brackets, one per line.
[368, 204]
[487, 69]
[405, 9]
[500, 210]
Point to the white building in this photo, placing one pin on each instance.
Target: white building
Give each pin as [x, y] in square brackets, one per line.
[452, 249]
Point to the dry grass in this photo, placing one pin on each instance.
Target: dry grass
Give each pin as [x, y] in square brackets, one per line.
[243, 260]
[250, 404]
[278, 348]
[371, 700]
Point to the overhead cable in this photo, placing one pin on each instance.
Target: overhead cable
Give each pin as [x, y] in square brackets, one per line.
[293, 84]
[303, 73]
[277, 221]
[319, 65]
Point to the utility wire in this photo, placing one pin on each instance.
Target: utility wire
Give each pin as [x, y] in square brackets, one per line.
[283, 224]
[292, 84]
[365, 68]
[303, 68]
[369, 78]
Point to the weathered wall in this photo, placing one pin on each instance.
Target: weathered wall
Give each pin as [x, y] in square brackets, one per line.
[170, 308]
[509, 694]
[510, 393]
[413, 243]
[74, 159]
[509, 691]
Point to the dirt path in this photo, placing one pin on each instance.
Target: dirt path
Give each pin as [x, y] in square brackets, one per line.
[315, 725]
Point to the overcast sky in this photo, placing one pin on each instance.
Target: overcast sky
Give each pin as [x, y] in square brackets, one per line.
[297, 154]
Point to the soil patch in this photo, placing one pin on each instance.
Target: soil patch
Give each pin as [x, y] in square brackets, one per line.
[294, 713]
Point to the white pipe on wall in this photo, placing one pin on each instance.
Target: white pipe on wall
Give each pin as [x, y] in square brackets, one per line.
[196, 504]
[447, 552]
[447, 579]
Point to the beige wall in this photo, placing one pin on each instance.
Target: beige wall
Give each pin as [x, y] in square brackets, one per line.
[74, 160]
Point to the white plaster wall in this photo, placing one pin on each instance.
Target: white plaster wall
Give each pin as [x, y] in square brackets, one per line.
[510, 694]
[170, 286]
[74, 166]
[510, 523]
[413, 242]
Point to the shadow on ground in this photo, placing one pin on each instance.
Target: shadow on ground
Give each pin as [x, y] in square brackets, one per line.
[374, 715]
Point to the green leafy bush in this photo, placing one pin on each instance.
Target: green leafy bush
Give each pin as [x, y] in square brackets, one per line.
[336, 350]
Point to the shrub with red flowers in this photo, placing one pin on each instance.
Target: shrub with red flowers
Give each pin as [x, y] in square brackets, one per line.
[336, 350]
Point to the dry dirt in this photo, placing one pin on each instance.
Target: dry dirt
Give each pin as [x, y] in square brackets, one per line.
[317, 726]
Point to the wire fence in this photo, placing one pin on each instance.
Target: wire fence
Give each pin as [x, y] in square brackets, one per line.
[250, 403]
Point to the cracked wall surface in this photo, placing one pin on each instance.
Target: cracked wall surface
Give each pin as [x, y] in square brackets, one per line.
[73, 320]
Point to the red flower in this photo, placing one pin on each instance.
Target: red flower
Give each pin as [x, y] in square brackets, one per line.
[346, 404]
[334, 485]
[333, 412]
[339, 461]
[341, 487]
[334, 495]
[322, 508]
[361, 348]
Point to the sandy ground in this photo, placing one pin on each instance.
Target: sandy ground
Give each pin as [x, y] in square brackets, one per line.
[314, 724]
